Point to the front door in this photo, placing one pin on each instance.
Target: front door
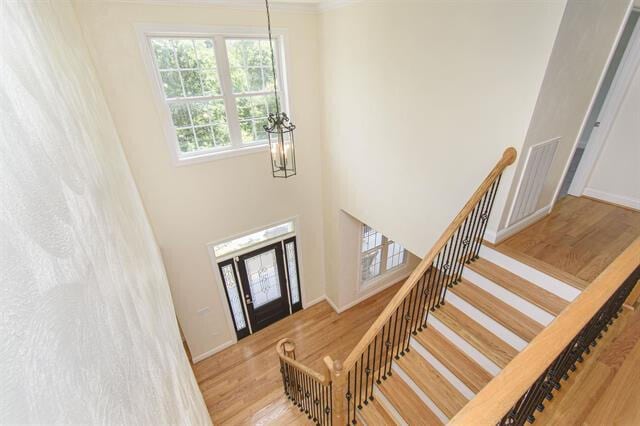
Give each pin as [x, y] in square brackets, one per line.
[264, 285]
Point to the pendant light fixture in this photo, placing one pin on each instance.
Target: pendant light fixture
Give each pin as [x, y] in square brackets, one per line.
[279, 128]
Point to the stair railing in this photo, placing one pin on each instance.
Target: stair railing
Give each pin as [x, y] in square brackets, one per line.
[351, 383]
[520, 390]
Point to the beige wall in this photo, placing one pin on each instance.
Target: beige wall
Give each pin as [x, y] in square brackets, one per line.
[586, 39]
[347, 290]
[193, 205]
[616, 174]
[89, 334]
[421, 98]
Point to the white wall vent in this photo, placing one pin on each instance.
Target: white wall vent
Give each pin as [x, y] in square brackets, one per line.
[536, 167]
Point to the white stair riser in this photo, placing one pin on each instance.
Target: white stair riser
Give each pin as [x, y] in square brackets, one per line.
[465, 347]
[423, 396]
[530, 274]
[485, 321]
[511, 299]
[388, 406]
[440, 368]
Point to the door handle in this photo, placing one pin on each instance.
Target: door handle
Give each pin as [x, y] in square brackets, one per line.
[248, 300]
[597, 124]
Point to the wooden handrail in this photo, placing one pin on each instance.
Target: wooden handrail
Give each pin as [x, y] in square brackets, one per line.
[280, 348]
[502, 393]
[508, 157]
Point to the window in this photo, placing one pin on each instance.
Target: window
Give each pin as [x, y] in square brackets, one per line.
[217, 91]
[379, 254]
[246, 241]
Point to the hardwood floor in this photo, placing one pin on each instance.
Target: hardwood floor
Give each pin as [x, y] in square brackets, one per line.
[605, 389]
[577, 240]
[242, 384]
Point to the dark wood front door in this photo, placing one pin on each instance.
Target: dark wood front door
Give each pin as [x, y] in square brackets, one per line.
[264, 284]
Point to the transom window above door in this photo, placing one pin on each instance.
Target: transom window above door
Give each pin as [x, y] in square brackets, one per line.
[379, 254]
[216, 91]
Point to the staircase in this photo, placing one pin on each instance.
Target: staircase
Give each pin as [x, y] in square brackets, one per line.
[498, 306]
[452, 345]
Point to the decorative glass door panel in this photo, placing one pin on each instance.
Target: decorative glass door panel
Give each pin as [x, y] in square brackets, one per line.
[291, 254]
[265, 286]
[264, 281]
[234, 298]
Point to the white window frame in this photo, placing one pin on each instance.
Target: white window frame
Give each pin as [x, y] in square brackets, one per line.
[218, 35]
[384, 272]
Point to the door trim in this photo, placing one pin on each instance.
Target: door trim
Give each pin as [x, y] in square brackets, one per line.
[218, 281]
[613, 101]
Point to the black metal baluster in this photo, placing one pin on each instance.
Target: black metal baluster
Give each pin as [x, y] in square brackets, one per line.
[409, 316]
[367, 372]
[400, 333]
[373, 375]
[361, 372]
[423, 312]
[476, 221]
[348, 397]
[432, 283]
[312, 398]
[438, 274]
[329, 394]
[469, 235]
[387, 343]
[381, 366]
[307, 398]
[462, 249]
[429, 292]
[393, 339]
[446, 273]
[316, 401]
[485, 218]
[416, 306]
[456, 255]
[300, 391]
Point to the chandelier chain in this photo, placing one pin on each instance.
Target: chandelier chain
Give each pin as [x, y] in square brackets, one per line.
[273, 60]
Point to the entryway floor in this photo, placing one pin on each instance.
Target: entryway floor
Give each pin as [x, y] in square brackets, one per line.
[577, 241]
[242, 385]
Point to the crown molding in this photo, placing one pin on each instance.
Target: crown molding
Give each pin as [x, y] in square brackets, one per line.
[313, 6]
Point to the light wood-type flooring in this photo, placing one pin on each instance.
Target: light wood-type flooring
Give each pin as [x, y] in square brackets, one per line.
[576, 241]
[605, 388]
[242, 384]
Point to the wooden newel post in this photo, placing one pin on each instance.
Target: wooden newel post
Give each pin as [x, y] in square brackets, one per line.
[337, 390]
[289, 349]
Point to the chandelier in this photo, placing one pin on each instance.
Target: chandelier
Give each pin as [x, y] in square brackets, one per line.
[279, 127]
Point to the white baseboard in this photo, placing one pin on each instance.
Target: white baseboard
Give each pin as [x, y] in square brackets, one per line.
[332, 304]
[314, 302]
[496, 237]
[213, 351]
[368, 294]
[608, 197]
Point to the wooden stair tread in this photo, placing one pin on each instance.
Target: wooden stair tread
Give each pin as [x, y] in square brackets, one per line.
[462, 366]
[540, 265]
[535, 294]
[407, 403]
[437, 388]
[374, 414]
[512, 319]
[476, 335]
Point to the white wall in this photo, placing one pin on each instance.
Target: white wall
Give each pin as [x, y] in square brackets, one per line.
[421, 99]
[616, 174]
[191, 206]
[581, 52]
[88, 331]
